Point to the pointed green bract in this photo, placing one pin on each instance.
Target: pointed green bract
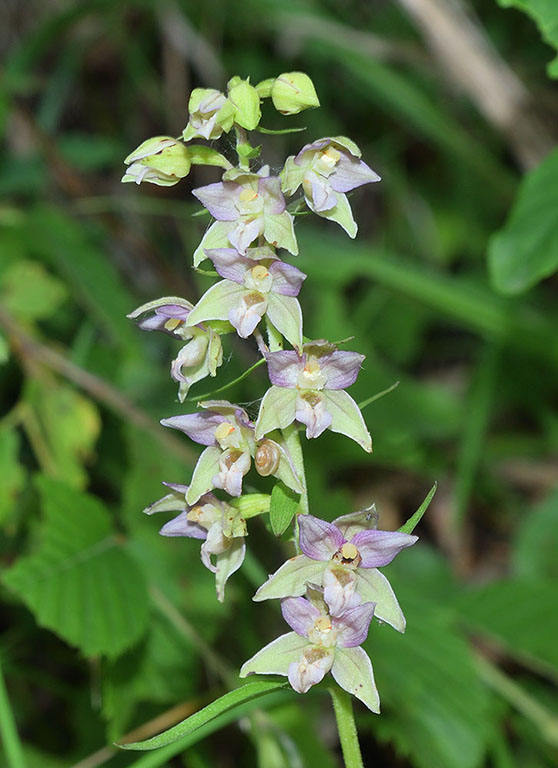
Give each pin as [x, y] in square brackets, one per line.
[413, 521]
[284, 504]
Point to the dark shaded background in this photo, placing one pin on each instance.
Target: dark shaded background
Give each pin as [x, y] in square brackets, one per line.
[451, 105]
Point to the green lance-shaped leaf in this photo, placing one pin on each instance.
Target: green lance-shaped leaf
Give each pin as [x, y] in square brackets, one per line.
[284, 503]
[415, 519]
[226, 703]
[525, 250]
[80, 582]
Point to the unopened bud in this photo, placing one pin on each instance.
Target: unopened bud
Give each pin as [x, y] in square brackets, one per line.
[246, 102]
[292, 92]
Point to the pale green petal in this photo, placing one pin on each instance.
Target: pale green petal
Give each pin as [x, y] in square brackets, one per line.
[276, 657]
[291, 578]
[287, 473]
[217, 302]
[277, 410]
[342, 214]
[206, 468]
[352, 670]
[373, 587]
[286, 315]
[215, 237]
[227, 563]
[279, 231]
[348, 144]
[292, 175]
[347, 418]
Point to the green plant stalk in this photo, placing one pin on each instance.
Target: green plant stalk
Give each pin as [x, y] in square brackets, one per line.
[8, 731]
[346, 726]
[241, 139]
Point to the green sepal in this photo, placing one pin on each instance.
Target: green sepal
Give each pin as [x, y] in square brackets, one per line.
[346, 417]
[291, 578]
[373, 587]
[276, 657]
[352, 670]
[342, 214]
[279, 231]
[252, 504]
[202, 478]
[217, 302]
[215, 237]
[283, 507]
[246, 101]
[277, 410]
[202, 155]
[227, 563]
[286, 315]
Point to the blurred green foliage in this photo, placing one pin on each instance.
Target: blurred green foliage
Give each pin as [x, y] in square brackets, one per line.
[449, 290]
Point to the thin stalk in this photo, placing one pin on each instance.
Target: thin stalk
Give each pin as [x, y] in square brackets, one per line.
[8, 730]
[346, 726]
[242, 140]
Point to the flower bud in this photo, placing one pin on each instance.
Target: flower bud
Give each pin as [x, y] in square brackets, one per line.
[160, 160]
[267, 458]
[246, 102]
[292, 92]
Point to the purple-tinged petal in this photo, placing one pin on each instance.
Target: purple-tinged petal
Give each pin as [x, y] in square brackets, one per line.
[270, 188]
[318, 539]
[219, 199]
[199, 427]
[311, 669]
[341, 369]
[229, 263]
[340, 589]
[311, 410]
[283, 368]
[248, 313]
[299, 614]
[181, 526]
[287, 280]
[351, 173]
[323, 197]
[177, 487]
[352, 627]
[378, 548]
[233, 465]
[245, 231]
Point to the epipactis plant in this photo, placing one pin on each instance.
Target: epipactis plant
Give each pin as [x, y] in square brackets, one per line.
[332, 588]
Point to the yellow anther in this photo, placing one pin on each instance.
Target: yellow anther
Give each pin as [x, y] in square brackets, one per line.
[259, 272]
[323, 624]
[349, 551]
[247, 195]
[224, 430]
[172, 323]
[331, 156]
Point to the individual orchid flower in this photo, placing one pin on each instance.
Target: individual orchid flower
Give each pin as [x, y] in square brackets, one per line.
[309, 387]
[203, 353]
[343, 557]
[160, 160]
[320, 643]
[255, 285]
[217, 523]
[328, 168]
[228, 435]
[247, 206]
[211, 114]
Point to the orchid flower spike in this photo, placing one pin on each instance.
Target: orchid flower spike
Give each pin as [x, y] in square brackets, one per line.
[327, 169]
[218, 524]
[203, 353]
[343, 557]
[247, 206]
[309, 387]
[255, 285]
[320, 643]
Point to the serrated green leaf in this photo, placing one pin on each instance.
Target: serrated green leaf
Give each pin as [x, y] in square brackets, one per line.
[525, 250]
[415, 519]
[226, 703]
[81, 583]
[282, 509]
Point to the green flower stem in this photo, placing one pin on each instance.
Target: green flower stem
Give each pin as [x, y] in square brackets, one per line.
[242, 139]
[348, 736]
[294, 446]
[8, 731]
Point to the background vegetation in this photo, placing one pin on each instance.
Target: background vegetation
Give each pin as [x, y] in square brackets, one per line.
[448, 290]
